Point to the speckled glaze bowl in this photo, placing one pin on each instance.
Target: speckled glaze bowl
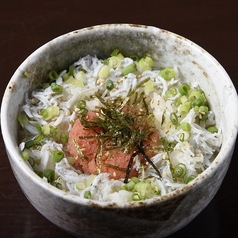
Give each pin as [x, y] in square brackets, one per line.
[157, 217]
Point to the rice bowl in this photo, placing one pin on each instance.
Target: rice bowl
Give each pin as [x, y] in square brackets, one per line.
[161, 214]
[84, 155]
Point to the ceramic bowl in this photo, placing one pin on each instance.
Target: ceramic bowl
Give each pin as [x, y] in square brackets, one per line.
[153, 217]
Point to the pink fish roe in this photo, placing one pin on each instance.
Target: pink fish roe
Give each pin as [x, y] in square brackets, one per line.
[114, 162]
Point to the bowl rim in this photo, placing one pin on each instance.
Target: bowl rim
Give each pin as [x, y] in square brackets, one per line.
[13, 150]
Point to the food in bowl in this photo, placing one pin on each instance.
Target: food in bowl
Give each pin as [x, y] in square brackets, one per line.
[118, 129]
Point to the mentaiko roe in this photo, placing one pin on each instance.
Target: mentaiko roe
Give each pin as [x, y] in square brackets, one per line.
[93, 160]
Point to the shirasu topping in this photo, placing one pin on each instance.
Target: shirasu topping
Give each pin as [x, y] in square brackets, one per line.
[160, 131]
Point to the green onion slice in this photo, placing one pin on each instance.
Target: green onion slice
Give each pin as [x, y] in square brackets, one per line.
[22, 118]
[25, 155]
[64, 137]
[49, 174]
[56, 88]
[146, 63]
[212, 129]
[109, 85]
[189, 179]
[115, 52]
[185, 108]
[71, 70]
[180, 170]
[168, 73]
[29, 144]
[87, 195]
[184, 88]
[81, 104]
[104, 72]
[131, 68]
[83, 111]
[136, 197]
[53, 75]
[185, 126]
[174, 118]
[57, 156]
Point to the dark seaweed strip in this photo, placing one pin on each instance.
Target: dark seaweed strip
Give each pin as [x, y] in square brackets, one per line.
[141, 150]
[114, 167]
[128, 169]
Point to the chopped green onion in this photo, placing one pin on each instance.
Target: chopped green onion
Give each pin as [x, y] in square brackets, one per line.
[195, 94]
[168, 73]
[185, 126]
[184, 136]
[183, 99]
[81, 77]
[189, 179]
[135, 180]
[149, 86]
[83, 111]
[185, 108]
[38, 128]
[71, 70]
[39, 173]
[203, 110]
[64, 137]
[131, 68]
[212, 129]
[143, 188]
[129, 186]
[171, 93]
[25, 155]
[109, 85]
[53, 75]
[196, 109]
[80, 185]
[29, 144]
[57, 156]
[45, 85]
[49, 174]
[87, 194]
[115, 52]
[199, 102]
[104, 72]
[146, 63]
[81, 104]
[50, 112]
[184, 88]
[134, 58]
[114, 61]
[65, 76]
[57, 185]
[56, 88]
[173, 118]
[26, 74]
[136, 197]
[38, 139]
[180, 170]
[46, 129]
[53, 131]
[22, 118]
[75, 82]
[177, 102]
[156, 189]
[197, 98]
